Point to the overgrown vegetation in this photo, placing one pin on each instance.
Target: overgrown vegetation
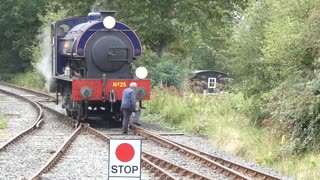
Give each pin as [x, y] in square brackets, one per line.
[30, 80]
[221, 117]
[275, 54]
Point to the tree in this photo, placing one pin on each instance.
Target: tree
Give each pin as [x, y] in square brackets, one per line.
[275, 61]
[18, 28]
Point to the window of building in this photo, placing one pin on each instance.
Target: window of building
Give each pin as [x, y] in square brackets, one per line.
[212, 83]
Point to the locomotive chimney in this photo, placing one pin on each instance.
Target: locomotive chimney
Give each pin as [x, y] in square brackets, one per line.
[107, 13]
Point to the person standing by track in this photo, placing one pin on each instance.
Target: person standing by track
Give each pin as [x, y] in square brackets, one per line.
[128, 105]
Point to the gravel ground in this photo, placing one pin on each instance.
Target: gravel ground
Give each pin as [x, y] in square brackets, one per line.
[19, 116]
[26, 156]
[86, 158]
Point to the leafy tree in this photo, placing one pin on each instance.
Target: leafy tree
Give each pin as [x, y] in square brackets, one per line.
[167, 72]
[275, 60]
[195, 29]
[18, 28]
[72, 7]
[293, 40]
[246, 62]
[152, 19]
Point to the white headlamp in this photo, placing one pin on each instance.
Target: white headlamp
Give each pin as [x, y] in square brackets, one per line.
[109, 22]
[141, 72]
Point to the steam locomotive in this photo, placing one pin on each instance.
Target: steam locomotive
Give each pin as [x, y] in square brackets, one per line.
[92, 60]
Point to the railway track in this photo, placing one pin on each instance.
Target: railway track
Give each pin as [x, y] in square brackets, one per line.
[35, 124]
[235, 170]
[162, 169]
[248, 171]
[27, 151]
[158, 166]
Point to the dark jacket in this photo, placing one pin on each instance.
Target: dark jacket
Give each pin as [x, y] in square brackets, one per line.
[128, 99]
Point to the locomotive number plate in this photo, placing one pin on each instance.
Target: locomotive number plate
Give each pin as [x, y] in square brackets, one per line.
[119, 84]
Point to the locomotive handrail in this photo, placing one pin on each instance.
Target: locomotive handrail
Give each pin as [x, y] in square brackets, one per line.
[72, 50]
[126, 30]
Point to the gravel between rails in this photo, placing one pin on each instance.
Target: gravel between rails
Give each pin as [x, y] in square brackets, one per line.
[30, 153]
[170, 155]
[87, 158]
[19, 116]
[179, 159]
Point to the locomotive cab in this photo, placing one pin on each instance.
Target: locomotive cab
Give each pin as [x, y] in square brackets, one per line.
[92, 64]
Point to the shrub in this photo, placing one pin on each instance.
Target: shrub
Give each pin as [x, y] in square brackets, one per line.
[30, 80]
[295, 110]
[167, 70]
[193, 112]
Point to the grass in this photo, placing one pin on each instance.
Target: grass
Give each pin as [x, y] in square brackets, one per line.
[30, 80]
[3, 122]
[221, 118]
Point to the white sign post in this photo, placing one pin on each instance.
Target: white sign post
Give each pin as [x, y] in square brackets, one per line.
[124, 159]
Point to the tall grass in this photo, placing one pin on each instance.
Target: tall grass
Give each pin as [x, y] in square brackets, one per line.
[30, 79]
[221, 117]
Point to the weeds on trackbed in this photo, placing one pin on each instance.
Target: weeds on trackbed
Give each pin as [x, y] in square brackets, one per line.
[221, 117]
[3, 122]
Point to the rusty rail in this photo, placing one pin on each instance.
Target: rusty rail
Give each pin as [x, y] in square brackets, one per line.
[169, 144]
[35, 125]
[57, 155]
[238, 167]
[170, 166]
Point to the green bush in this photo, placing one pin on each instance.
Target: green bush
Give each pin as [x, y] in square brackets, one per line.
[167, 70]
[30, 80]
[6, 77]
[167, 102]
[296, 114]
[192, 112]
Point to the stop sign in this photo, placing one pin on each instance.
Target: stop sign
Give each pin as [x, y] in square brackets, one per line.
[124, 159]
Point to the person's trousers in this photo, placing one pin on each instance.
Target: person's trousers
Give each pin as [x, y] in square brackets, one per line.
[126, 118]
[136, 116]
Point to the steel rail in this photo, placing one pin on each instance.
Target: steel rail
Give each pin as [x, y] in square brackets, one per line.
[158, 171]
[57, 155]
[238, 167]
[35, 125]
[206, 161]
[26, 89]
[150, 161]
[170, 166]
